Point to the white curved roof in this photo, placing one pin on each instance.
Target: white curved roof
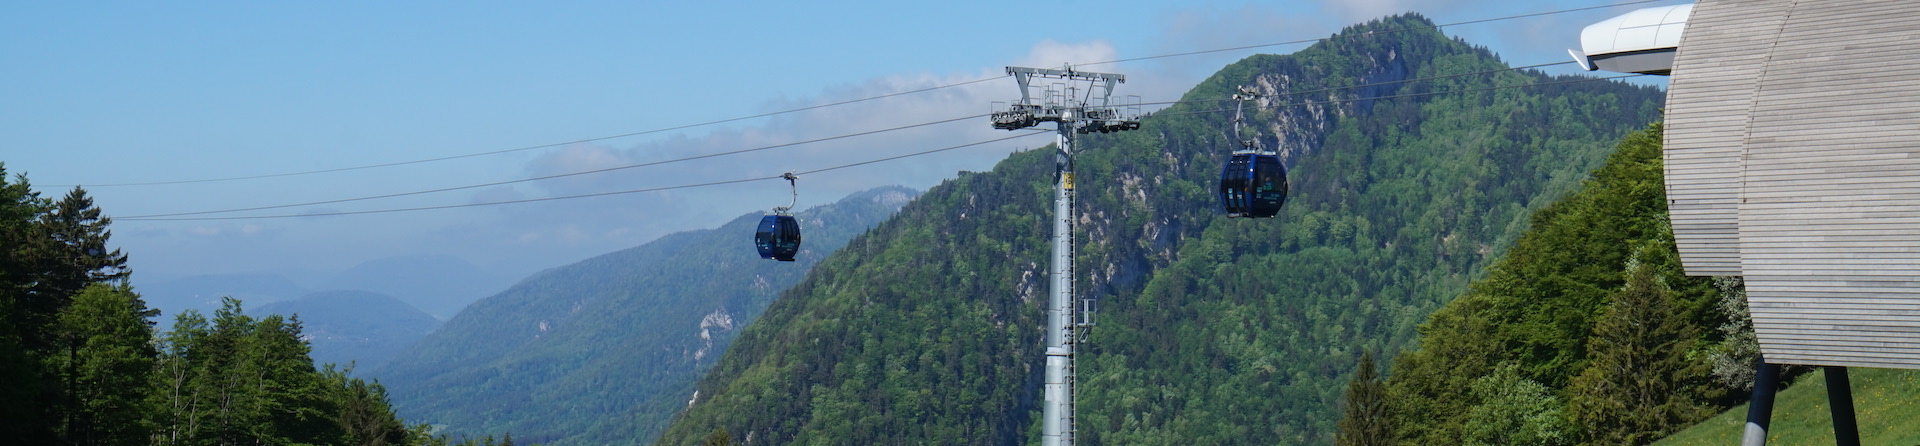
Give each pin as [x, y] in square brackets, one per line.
[1640, 30]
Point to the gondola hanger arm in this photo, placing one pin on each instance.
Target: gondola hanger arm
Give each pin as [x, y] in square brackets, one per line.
[791, 187]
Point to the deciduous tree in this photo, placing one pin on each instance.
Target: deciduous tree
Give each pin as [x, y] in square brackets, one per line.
[108, 366]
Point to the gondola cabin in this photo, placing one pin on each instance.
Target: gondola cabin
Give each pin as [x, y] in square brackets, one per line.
[1253, 185]
[778, 237]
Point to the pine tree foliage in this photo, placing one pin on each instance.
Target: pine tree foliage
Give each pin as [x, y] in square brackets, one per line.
[1367, 421]
[52, 250]
[1643, 381]
[719, 437]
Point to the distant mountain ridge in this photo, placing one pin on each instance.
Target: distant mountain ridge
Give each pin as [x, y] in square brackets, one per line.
[203, 292]
[439, 285]
[361, 328]
[607, 349]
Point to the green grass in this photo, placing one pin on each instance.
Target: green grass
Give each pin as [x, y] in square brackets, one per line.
[1886, 402]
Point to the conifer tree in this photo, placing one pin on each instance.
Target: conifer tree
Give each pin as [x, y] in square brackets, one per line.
[71, 246]
[1366, 422]
[49, 252]
[1639, 385]
[23, 417]
[719, 437]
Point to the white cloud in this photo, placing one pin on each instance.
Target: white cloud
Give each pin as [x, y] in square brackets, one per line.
[1052, 54]
[647, 215]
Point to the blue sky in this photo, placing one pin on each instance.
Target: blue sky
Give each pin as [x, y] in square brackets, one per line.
[98, 93]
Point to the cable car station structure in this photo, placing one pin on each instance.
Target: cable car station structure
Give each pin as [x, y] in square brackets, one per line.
[1792, 159]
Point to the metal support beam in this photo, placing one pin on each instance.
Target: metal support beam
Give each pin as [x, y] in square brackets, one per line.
[1840, 398]
[1766, 379]
[1070, 116]
[1057, 423]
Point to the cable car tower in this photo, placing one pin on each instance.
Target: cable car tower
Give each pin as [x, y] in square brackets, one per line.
[1079, 102]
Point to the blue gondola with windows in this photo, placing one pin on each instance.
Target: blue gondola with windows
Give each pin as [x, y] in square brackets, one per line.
[778, 236]
[1254, 182]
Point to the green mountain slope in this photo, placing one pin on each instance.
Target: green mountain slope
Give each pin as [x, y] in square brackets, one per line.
[607, 349]
[1561, 312]
[1886, 402]
[1211, 331]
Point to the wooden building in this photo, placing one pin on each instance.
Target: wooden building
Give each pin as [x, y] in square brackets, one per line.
[1793, 159]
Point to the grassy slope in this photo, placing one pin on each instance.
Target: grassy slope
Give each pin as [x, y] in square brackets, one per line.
[1886, 402]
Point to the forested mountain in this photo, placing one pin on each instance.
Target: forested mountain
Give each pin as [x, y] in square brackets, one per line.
[357, 329]
[606, 350]
[1210, 330]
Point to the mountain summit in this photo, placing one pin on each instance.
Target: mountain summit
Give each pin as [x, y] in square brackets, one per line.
[1416, 160]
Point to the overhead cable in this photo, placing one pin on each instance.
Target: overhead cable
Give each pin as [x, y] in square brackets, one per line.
[162, 217]
[557, 144]
[549, 177]
[755, 149]
[570, 197]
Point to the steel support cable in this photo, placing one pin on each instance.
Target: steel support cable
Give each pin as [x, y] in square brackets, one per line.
[597, 194]
[1335, 101]
[549, 177]
[557, 144]
[155, 217]
[819, 106]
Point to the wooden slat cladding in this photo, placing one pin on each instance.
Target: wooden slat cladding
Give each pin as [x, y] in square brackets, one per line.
[1708, 103]
[1829, 171]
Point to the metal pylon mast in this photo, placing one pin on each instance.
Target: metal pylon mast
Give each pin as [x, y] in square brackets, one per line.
[1073, 109]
